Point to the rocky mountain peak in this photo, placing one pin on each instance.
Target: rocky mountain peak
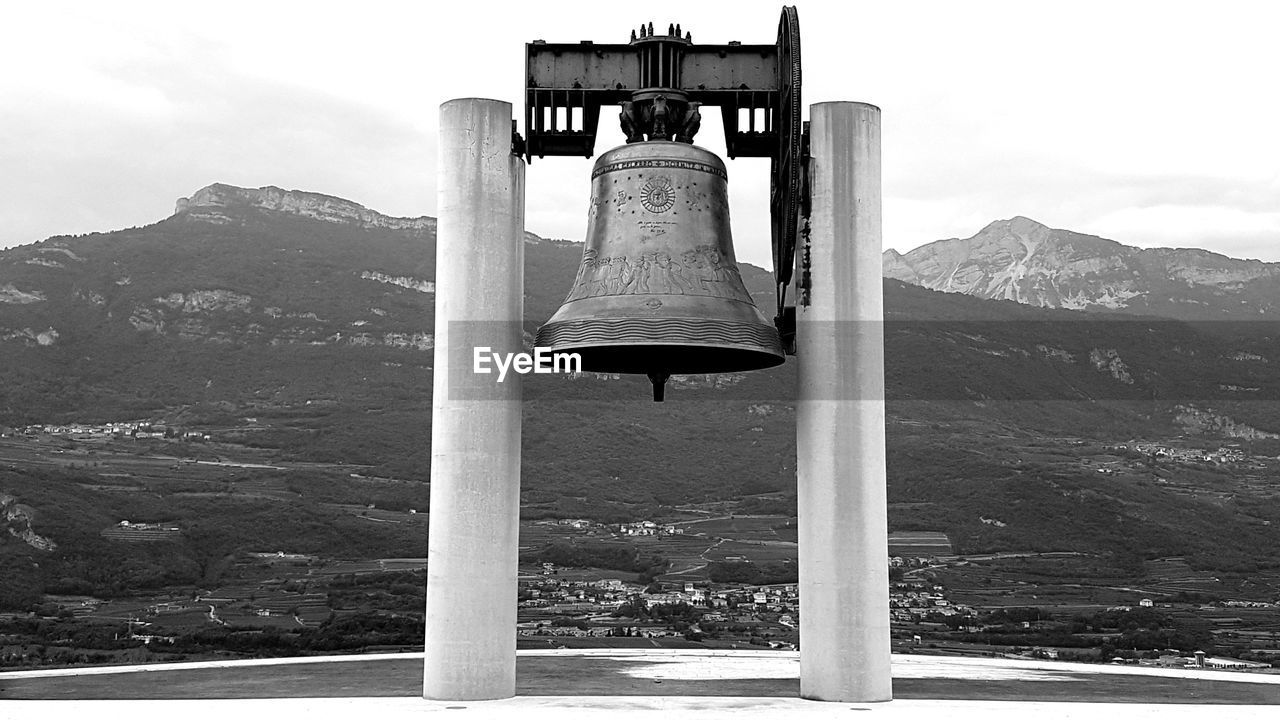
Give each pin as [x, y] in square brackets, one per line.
[1016, 225]
[211, 204]
[1026, 261]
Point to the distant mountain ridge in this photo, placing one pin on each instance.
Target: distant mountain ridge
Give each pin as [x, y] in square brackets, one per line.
[211, 203]
[1022, 260]
[1017, 259]
[216, 204]
[290, 274]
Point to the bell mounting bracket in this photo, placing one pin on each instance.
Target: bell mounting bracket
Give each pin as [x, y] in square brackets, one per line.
[661, 83]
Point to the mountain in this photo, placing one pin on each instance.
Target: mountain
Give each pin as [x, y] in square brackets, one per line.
[284, 295]
[301, 325]
[1021, 260]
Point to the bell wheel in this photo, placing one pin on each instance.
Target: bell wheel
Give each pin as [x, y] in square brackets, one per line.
[787, 162]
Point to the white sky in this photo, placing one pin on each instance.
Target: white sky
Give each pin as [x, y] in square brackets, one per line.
[1151, 123]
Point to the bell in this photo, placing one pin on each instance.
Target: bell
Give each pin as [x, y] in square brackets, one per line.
[658, 292]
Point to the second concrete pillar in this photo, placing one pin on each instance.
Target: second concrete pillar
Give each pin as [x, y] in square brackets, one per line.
[840, 447]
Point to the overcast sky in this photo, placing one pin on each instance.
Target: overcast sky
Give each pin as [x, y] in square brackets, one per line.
[1154, 124]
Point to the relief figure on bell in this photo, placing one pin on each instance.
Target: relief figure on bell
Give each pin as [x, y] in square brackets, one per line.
[722, 270]
[621, 277]
[586, 270]
[702, 270]
[600, 277]
[703, 275]
[672, 273]
[714, 275]
[641, 273]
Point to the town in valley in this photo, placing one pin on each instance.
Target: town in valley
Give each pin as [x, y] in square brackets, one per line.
[719, 574]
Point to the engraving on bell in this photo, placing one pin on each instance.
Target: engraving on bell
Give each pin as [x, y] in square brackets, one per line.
[658, 291]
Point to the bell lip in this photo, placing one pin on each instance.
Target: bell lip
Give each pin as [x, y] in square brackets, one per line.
[678, 346]
[701, 359]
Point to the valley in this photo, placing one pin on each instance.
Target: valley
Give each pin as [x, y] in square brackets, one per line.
[203, 549]
[214, 441]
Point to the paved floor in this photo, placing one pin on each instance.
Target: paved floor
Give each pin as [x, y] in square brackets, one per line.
[621, 684]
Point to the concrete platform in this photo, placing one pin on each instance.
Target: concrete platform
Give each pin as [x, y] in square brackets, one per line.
[634, 683]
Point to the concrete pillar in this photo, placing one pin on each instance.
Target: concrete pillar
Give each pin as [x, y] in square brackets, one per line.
[475, 421]
[840, 443]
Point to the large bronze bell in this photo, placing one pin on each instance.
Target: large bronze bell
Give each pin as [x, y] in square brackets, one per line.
[658, 292]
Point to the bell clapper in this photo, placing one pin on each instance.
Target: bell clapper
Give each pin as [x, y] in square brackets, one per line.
[659, 380]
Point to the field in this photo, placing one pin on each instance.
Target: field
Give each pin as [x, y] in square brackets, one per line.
[919, 544]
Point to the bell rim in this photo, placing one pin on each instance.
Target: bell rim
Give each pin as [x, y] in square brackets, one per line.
[695, 345]
[728, 359]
